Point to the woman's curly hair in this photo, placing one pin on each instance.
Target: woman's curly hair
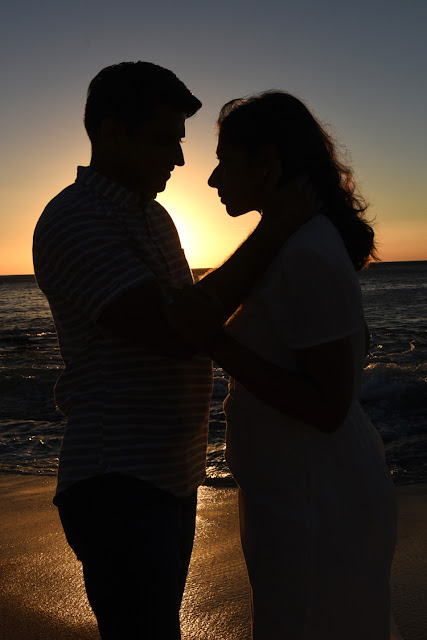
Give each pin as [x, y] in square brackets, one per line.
[305, 148]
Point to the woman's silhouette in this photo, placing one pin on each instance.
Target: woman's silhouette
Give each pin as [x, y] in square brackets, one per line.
[317, 507]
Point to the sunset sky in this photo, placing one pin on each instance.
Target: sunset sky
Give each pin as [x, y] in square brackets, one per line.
[360, 65]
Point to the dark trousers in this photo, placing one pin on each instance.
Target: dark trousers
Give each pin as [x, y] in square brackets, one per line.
[134, 541]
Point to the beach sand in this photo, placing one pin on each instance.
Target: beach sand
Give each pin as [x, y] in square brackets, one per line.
[42, 590]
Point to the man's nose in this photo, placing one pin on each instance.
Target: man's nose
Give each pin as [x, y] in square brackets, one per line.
[178, 159]
[212, 181]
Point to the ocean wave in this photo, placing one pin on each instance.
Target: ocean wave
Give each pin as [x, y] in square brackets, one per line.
[27, 393]
[394, 393]
[406, 459]
[30, 446]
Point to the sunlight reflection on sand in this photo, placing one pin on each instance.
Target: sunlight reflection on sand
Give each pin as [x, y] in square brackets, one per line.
[43, 595]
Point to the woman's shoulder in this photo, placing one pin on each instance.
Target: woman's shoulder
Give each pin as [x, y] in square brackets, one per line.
[319, 239]
[316, 253]
[319, 226]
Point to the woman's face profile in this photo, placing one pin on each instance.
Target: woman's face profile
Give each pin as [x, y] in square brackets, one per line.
[238, 178]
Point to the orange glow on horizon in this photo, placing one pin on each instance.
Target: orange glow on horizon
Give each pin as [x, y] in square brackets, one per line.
[208, 235]
[207, 243]
[400, 241]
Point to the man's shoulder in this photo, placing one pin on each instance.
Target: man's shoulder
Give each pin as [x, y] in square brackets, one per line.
[71, 204]
[71, 198]
[161, 217]
[155, 208]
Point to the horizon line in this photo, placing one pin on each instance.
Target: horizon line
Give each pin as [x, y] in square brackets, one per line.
[25, 275]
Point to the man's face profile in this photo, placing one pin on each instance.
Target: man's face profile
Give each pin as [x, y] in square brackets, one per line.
[151, 154]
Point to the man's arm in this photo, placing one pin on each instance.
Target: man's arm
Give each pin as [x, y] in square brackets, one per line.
[141, 314]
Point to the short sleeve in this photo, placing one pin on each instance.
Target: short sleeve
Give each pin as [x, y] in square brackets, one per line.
[320, 298]
[84, 257]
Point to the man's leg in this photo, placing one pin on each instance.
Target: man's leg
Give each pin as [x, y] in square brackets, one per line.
[134, 542]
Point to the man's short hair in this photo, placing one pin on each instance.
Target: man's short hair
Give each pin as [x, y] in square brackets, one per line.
[130, 92]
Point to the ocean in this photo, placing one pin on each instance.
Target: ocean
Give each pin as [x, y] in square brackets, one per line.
[394, 388]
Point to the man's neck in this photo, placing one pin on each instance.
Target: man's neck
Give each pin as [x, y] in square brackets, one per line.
[111, 172]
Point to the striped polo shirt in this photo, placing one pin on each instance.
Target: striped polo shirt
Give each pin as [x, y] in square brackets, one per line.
[129, 410]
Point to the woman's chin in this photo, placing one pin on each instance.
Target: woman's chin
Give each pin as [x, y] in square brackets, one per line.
[234, 213]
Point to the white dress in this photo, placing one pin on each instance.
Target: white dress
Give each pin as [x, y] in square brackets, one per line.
[317, 511]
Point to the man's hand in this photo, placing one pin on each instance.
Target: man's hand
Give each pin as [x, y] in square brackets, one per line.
[197, 315]
[289, 207]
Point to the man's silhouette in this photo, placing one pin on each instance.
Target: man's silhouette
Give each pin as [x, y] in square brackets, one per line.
[108, 258]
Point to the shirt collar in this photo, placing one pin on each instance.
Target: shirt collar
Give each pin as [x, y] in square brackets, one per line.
[108, 189]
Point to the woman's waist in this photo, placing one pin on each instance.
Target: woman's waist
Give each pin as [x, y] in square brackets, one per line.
[265, 447]
[245, 411]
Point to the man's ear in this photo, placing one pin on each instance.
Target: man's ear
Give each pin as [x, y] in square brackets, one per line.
[112, 132]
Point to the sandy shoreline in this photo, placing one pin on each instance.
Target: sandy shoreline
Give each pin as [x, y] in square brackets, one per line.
[43, 595]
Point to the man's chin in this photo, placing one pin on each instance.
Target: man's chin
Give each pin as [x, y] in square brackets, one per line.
[153, 194]
[159, 189]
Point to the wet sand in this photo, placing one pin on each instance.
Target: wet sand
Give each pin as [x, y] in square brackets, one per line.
[42, 591]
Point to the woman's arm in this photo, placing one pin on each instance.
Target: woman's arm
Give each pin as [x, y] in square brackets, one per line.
[319, 393]
[140, 314]
[232, 282]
